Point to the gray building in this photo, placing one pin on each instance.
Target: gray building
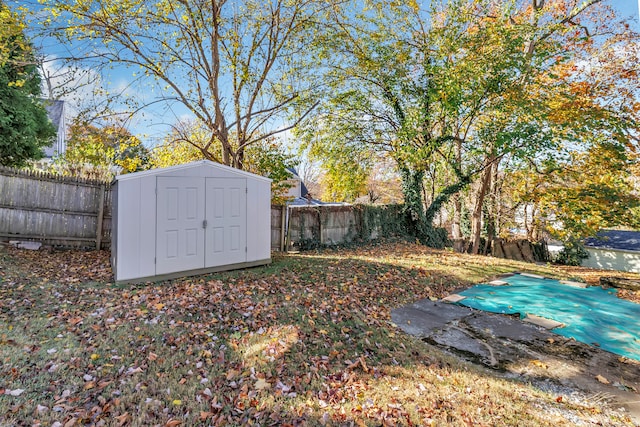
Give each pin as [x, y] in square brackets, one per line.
[55, 111]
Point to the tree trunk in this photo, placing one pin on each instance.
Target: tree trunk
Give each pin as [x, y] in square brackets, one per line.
[238, 161]
[476, 215]
[456, 231]
[226, 155]
[492, 207]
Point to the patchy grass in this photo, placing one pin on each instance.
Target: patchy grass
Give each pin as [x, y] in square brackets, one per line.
[306, 340]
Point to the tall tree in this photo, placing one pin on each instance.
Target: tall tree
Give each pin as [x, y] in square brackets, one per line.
[419, 91]
[469, 84]
[239, 67]
[266, 157]
[573, 105]
[24, 126]
[588, 97]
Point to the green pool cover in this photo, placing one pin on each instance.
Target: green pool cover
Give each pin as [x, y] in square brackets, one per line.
[592, 315]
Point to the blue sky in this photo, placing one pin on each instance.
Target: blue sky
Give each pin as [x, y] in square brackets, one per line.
[628, 8]
[155, 122]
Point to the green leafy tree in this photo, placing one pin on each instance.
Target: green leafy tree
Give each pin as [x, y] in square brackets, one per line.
[466, 85]
[589, 191]
[586, 94]
[418, 91]
[102, 151]
[24, 126]
[345, 167]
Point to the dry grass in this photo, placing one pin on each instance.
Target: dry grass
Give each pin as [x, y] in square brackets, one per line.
[306, 340]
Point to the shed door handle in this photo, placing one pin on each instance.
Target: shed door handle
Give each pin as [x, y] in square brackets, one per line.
[204, 223]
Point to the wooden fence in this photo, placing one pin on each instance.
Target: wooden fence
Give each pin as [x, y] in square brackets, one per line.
[76, 213]
[54, 210]
[300, 227]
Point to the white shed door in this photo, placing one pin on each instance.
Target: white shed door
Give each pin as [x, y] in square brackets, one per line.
[180, 209]
[226, 232]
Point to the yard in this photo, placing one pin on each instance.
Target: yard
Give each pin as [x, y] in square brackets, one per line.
[306, 340]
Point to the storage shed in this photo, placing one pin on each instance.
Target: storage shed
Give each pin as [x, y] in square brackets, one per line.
[189, 219]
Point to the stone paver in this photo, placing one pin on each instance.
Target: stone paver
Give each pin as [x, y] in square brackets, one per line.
[501, 342]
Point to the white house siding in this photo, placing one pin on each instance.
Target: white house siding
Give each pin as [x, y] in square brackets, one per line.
[613, 259]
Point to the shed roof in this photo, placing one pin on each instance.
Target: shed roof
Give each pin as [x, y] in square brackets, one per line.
[615, 239]
[196, 164]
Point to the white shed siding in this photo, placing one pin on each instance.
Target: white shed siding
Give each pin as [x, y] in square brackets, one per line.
[259, 227]
[129, 204]
[148, 228]
[136, 228]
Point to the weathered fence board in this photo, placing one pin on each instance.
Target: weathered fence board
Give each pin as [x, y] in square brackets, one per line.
[54, 210]
[62, 211]
[311, 226]
[278, 225]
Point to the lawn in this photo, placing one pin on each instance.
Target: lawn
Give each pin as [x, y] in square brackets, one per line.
[306, 340]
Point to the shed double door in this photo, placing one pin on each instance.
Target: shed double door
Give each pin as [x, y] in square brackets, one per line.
[200, 223]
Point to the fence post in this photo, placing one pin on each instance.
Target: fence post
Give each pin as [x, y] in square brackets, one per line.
[287, 242]
[320, 231]
[283, 226]
[100, 218]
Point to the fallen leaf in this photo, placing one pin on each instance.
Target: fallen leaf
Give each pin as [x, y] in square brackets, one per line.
[123, 419]
[261, 384]
[16, 392]
[204, 415]
[602, 379]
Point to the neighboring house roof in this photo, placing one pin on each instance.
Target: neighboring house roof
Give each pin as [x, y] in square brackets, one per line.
[301, 201]
[615, 239]
[55, 111]
[303, 188]
[306, 198]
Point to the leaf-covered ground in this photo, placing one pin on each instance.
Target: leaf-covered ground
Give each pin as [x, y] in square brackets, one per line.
[306, 340]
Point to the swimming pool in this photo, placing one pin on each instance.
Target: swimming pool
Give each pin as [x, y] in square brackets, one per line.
[594, 315]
